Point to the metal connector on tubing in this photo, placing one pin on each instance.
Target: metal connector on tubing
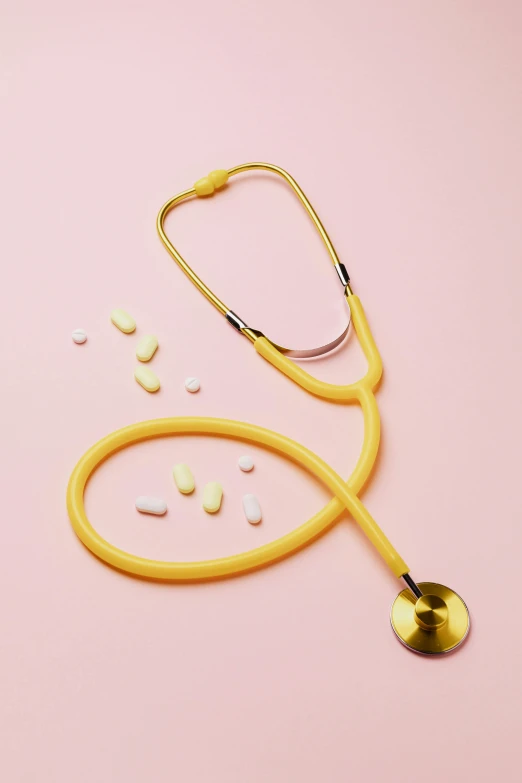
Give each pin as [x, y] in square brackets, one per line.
[344, 277]
[241, 327]
[411, 584]
[235, 320]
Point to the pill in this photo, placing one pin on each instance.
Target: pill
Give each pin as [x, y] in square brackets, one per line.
[150, 505]
[123, 321]
[245, 463]
[252, 509]
[212, 495]
[146, 378]
[146, 348]
[183, 478]
[79, 336]
[192, 384]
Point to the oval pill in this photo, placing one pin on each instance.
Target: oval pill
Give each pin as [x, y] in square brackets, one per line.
[246, 463]
[212, 495]
[123, 321]
[146, 378]
[192, 384]
[151, 505]
[183, 478]
[252, 509]
[79, 336]
[146, 348]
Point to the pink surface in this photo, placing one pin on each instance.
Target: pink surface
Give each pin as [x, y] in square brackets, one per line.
[402, 121]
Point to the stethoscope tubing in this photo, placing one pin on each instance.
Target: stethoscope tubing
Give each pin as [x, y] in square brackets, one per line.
[345, 498]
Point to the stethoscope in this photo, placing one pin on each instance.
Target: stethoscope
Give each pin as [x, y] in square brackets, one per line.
[426, 617]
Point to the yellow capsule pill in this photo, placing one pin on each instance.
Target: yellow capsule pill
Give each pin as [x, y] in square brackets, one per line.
[212, 495]
[146, 378]
[146, 348]
[183, 478]
[123, 321]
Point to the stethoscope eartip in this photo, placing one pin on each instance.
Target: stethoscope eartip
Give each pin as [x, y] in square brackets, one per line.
[434, 623]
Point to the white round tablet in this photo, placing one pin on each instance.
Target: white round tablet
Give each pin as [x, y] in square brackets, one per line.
[79, 336]
[246, 463]
[192, 384]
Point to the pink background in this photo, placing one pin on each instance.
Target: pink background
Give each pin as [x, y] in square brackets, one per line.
[402, 121]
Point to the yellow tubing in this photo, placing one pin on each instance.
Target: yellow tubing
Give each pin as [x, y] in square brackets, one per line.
[235, 564]
[329, 391]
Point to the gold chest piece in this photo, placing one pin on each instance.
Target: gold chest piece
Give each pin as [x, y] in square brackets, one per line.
[435, 623]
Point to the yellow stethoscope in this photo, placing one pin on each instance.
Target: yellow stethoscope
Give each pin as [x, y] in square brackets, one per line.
[426, 617]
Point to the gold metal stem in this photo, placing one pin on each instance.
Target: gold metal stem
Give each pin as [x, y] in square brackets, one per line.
[300, 194]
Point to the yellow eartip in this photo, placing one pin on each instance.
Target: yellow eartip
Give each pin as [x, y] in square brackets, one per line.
[215, 180]
[219, 177]
[204, 187]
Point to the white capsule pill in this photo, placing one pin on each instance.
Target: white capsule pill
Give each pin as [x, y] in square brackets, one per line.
[146, 378]
[150, 505]
[245, 463]
[252, 509]
[146, 348]
[79, 336]
[192, 384]
[183, 478]
[212, 495]
[123, 321]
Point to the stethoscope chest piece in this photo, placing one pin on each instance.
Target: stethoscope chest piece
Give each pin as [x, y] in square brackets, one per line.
[435, 623]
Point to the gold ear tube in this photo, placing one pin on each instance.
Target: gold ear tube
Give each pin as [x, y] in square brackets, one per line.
[206, 186]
